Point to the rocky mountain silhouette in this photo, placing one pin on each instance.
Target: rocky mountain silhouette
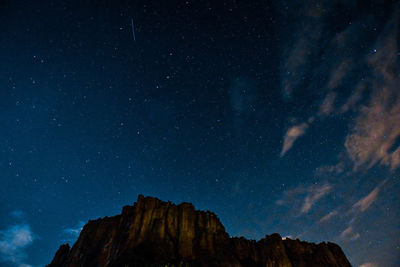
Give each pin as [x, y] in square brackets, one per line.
[157, 233]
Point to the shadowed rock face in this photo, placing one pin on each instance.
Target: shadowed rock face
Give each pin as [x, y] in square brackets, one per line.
[157, 233]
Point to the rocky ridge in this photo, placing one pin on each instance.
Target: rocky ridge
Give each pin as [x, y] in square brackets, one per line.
[157, 233]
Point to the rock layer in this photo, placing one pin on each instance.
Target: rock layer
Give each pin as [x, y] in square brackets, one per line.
[157, 233]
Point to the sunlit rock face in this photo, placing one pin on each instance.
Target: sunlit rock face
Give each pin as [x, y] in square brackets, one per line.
[157, 233]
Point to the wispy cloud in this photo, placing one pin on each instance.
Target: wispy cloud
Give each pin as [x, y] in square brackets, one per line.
[349, 234]
[327, 105]
[330, 169]
[72, 233]
[314, 194]
[291, 135]
[297, 57]
[364, 203]
[304, 198]
[369, 264]
[13, 242]
[328, 216]
[376, 132]
[353, 99]
[339, 72]
[357, 209]
[375, 135]
[361, 87]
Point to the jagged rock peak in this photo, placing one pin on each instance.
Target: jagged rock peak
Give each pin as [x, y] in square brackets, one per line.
[157, 233]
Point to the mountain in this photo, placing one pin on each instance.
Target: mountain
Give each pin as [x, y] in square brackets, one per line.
[157, 233]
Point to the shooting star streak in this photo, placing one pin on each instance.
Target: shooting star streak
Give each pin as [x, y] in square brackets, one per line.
[133, 30]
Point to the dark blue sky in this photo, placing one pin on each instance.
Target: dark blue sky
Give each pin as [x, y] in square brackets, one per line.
[279, 116]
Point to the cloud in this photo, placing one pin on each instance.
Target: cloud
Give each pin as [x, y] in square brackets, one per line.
[309, 197]
[327, 105]
[291, 135]
[374, 137]
[357, 209]
[339, 72]
[368, 264]
[72, 233]
[376, 132]
[309, 40]
[354, 98]
[395, 158]
[364, 203]
[314, 194]
[329, 216]
[13, 242]
[330, 169]
[297, 60]
[349, 234]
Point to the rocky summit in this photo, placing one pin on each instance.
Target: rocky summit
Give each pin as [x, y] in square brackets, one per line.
[157, 233]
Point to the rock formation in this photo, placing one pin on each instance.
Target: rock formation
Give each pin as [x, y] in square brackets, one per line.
[157, 233]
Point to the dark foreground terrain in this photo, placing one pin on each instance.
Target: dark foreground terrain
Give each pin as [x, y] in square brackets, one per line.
[157, 233]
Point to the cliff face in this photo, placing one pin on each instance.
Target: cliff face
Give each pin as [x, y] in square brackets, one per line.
[157, 233]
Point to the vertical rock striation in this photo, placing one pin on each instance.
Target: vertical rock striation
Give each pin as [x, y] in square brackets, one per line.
[157, 233]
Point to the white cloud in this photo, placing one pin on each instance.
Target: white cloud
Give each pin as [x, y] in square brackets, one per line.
[313, 196]
[329, 216]
[349, 234]
[338, 73]
[327, 105]
[373, 139]
[376, 132]
[309, 197]
[13, 242]
[364, 203]
[353, 99]
[298, 130]
[291, 135]
[357, 209]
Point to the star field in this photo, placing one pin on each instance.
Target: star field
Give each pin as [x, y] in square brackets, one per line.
[279, 116]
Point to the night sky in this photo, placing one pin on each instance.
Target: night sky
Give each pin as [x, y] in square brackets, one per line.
[279, 116]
